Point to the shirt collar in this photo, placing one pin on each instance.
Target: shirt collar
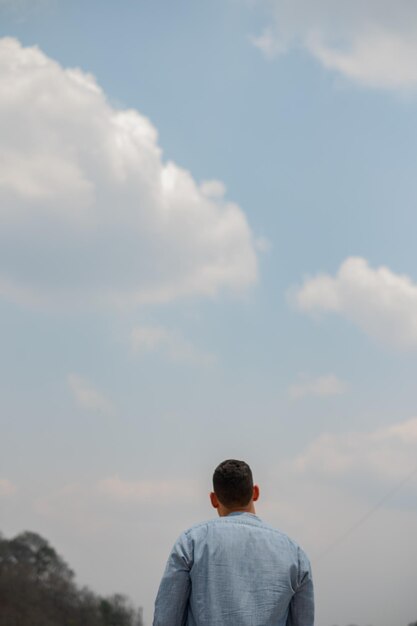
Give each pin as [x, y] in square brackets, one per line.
[234, 513]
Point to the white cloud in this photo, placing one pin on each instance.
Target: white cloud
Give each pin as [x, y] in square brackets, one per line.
[213, 188]
[373, 43]
[87, 397]
[7, 488]
[387, 453]
[269, 44]
[168, 342]
[380, 302]
[328, 385]
[167, 490]
[90, 212]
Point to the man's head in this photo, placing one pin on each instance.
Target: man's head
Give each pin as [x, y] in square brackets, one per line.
[233, 487]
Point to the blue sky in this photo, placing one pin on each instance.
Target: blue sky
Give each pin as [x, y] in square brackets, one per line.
[207, 251]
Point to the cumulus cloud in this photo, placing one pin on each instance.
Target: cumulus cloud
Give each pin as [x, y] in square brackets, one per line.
[7, 488]
[328, 385]
[87, 397]
[387, 453]
[373, 43]
[380, 302]
[90, 212]
[168, 342]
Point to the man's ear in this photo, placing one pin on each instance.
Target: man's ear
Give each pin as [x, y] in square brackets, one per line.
[255, 493]
[214, 500]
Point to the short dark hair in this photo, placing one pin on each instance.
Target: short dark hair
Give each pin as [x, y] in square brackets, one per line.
[233, 483]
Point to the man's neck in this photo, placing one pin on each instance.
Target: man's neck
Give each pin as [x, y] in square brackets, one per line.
[223, 511]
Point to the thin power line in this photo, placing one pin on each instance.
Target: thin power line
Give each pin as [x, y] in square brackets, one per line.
[366, 515]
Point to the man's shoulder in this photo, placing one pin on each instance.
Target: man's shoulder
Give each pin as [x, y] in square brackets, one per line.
[237, 521]
[194, 542]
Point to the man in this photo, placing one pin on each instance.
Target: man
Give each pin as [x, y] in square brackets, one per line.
[235, 570]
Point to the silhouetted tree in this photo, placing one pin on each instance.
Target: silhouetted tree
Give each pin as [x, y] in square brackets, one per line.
[37, 588]
[118, 611]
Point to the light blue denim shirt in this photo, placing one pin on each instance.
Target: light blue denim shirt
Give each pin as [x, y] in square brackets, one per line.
[235, 571]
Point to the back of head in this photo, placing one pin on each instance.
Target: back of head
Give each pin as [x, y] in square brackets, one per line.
[233, 483]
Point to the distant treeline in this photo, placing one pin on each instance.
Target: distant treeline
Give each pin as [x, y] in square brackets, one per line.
[37, 588]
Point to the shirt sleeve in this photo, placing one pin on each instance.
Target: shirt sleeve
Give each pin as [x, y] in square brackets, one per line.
[301, 609]
[171, 605]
